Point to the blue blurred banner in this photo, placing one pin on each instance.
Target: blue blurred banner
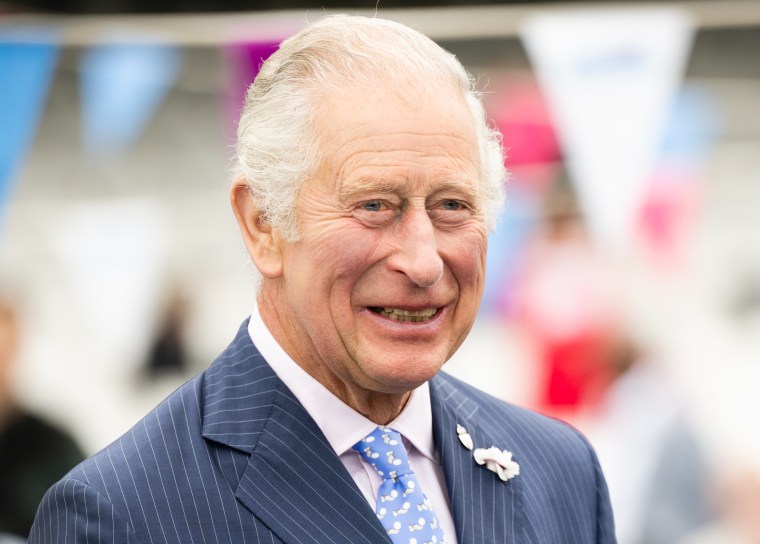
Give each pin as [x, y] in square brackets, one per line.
[27, 61]
[122, 86]
[505, 246]
[693, 126]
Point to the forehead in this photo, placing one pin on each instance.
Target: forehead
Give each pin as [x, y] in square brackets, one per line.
[370, 110]
[362, 130]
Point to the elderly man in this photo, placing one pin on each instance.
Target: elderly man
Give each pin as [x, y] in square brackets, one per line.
[367, 181]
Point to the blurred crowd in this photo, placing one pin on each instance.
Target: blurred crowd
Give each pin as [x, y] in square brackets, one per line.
[34, 454]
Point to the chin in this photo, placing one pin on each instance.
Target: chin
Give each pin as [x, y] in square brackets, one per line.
[405, 373]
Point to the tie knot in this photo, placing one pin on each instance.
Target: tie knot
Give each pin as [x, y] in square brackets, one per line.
[385, 451]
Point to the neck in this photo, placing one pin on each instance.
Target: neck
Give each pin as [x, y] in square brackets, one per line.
[381, 407]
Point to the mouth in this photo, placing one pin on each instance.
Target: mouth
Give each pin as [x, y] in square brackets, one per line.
[408, 316]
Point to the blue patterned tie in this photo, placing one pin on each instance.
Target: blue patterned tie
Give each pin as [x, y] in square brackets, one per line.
[402, 507]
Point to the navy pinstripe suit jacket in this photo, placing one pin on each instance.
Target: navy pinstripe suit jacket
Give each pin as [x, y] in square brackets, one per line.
[232, 456]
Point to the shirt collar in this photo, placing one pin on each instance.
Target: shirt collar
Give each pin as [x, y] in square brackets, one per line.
[342, 425]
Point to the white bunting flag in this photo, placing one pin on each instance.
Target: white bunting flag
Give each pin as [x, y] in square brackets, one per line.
[610, 77]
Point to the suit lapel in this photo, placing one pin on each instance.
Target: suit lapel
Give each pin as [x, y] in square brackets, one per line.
[485, 509]
[293, 482]
[296, 484]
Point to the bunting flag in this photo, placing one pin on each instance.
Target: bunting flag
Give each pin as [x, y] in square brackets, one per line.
[610, 77]
[249, 46]
[244, 58]
[122, 84]
[27, 62]
[668, 214]
[505, 247]
[692, 128]
[518, 109]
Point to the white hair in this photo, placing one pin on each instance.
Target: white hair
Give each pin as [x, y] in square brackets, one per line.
[278, 147]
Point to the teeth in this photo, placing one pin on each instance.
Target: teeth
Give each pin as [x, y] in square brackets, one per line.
[414, 316]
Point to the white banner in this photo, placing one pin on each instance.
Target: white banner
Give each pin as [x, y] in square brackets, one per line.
[610, 77]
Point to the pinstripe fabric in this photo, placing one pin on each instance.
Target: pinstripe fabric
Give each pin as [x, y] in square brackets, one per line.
[560, 495]
[232, 456]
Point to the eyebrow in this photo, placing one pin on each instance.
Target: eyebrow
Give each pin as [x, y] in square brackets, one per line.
[360, 186]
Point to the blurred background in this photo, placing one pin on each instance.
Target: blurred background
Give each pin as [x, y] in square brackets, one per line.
[623, 288]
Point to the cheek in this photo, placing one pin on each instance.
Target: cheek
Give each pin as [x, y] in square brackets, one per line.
[466, 255]
[342, 254]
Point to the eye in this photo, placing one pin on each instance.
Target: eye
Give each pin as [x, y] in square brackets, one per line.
[450, 212]
[372, 205]
[452, 205]
[376, 212]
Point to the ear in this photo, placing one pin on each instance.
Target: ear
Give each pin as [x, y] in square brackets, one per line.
[263, 242]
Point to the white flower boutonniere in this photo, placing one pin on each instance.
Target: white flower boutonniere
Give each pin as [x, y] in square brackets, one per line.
[464, 437]
[493, 458]
[497, 461]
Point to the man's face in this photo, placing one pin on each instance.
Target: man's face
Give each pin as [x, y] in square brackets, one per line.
[385, 281]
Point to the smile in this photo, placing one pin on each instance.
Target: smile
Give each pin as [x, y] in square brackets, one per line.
[411, 316]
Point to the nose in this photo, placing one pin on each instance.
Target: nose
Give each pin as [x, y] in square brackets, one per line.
[415, 251]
